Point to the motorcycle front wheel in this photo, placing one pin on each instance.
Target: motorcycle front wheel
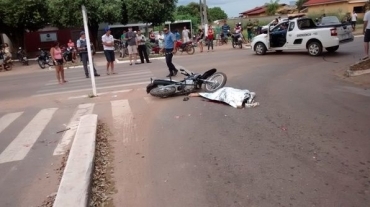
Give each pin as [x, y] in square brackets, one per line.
[190, 50]
[215, 82]
[41, 64]
[162, 92]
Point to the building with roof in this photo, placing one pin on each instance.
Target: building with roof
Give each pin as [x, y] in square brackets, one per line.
[339, 7]
[261, 11]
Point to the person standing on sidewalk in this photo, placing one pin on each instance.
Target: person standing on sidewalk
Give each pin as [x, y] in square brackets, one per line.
[353, 20]
[185, 35]
[169, 50]
[210, 36]
[82, 49]
[141, 41]
[132, 47]
[108, 45]
[218, 34]
[58, 61]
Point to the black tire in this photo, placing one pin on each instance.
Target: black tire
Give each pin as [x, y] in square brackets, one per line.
[233, 43]
[332, 49]
[314, 48]
[222, 84]
[190, 50]
[41, 64]
[241, 45]
[163, 92]
[260, 48]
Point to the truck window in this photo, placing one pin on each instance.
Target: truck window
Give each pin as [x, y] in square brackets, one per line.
[306, 24]
[291, 26]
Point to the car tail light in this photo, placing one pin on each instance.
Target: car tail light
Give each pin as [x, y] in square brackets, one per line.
[333, 32]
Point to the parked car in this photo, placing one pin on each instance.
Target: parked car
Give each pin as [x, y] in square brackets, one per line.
[303, 34]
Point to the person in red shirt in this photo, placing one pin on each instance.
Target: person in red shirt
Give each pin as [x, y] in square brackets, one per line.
[210, 36]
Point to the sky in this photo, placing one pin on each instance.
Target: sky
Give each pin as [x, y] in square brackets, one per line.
[233, 7]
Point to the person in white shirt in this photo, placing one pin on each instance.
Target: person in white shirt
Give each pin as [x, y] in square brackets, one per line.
[366, 32]
[160, 41]
[353, 20]
[185, 35]
[141, 40]
[108, 45]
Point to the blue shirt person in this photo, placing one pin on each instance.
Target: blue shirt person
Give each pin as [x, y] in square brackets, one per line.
[225, 28]
[170, 48]
[177, 34]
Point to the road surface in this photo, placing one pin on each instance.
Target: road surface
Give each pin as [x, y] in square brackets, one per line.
[305, 145]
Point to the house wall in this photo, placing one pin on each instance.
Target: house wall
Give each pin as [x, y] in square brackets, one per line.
[32, 40]
[338, 8]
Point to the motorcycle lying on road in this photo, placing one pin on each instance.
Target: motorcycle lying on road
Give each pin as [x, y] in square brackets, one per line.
[193, 81]
[43, 59]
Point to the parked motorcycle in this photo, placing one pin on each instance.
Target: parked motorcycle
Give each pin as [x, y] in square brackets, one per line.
[236, 40]
[167, 87]
[185, 47]
[43, 59]
[68, 54]
[5, 62]
[22, 56]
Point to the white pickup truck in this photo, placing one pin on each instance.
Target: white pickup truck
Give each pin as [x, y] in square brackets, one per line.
[301, 33]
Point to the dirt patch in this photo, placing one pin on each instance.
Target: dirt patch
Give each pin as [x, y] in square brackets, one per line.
[363, 65]
[49, 201]
[103, 185]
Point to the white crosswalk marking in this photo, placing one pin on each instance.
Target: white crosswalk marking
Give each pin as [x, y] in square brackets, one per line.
[21, 145]
[7, 119]
[83, 109]
[123, 119]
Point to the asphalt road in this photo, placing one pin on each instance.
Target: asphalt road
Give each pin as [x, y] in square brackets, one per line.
[305, 145]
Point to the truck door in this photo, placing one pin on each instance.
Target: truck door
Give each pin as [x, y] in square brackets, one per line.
[292, 40]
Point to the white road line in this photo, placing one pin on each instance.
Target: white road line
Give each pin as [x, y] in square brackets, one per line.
[22, 144]
[131, 75]
[123, 119]
[127, 61]
[89, 89]
[100, 94]
[82, 109]
[148, 99]
[7, 119]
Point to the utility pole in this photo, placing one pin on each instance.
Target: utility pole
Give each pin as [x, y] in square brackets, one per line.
[201, 13]
[205, 17]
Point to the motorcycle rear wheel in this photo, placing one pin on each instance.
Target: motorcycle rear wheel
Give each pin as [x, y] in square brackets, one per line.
[162, 92]
[212, 87]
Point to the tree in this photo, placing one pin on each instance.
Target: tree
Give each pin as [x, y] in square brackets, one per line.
[272, 7]
[20, 16]
[192, 9]
[67, 13]
[151, 11]
[216, 13]
[300, 4]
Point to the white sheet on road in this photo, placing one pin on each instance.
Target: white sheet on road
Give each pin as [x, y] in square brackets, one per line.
[232, 96]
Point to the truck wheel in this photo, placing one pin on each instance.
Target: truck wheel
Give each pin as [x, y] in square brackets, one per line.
[332, 49]
[260, 48]
[315, 48]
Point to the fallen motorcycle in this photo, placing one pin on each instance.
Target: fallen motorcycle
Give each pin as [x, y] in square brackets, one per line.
[194, 81]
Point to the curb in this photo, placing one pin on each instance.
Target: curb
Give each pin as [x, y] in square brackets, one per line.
[127, 61]
[74, 188]
[352, 73]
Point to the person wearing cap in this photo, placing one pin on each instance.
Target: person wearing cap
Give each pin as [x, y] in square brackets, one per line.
[108, 45]
[141, 41]
[82, 49]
